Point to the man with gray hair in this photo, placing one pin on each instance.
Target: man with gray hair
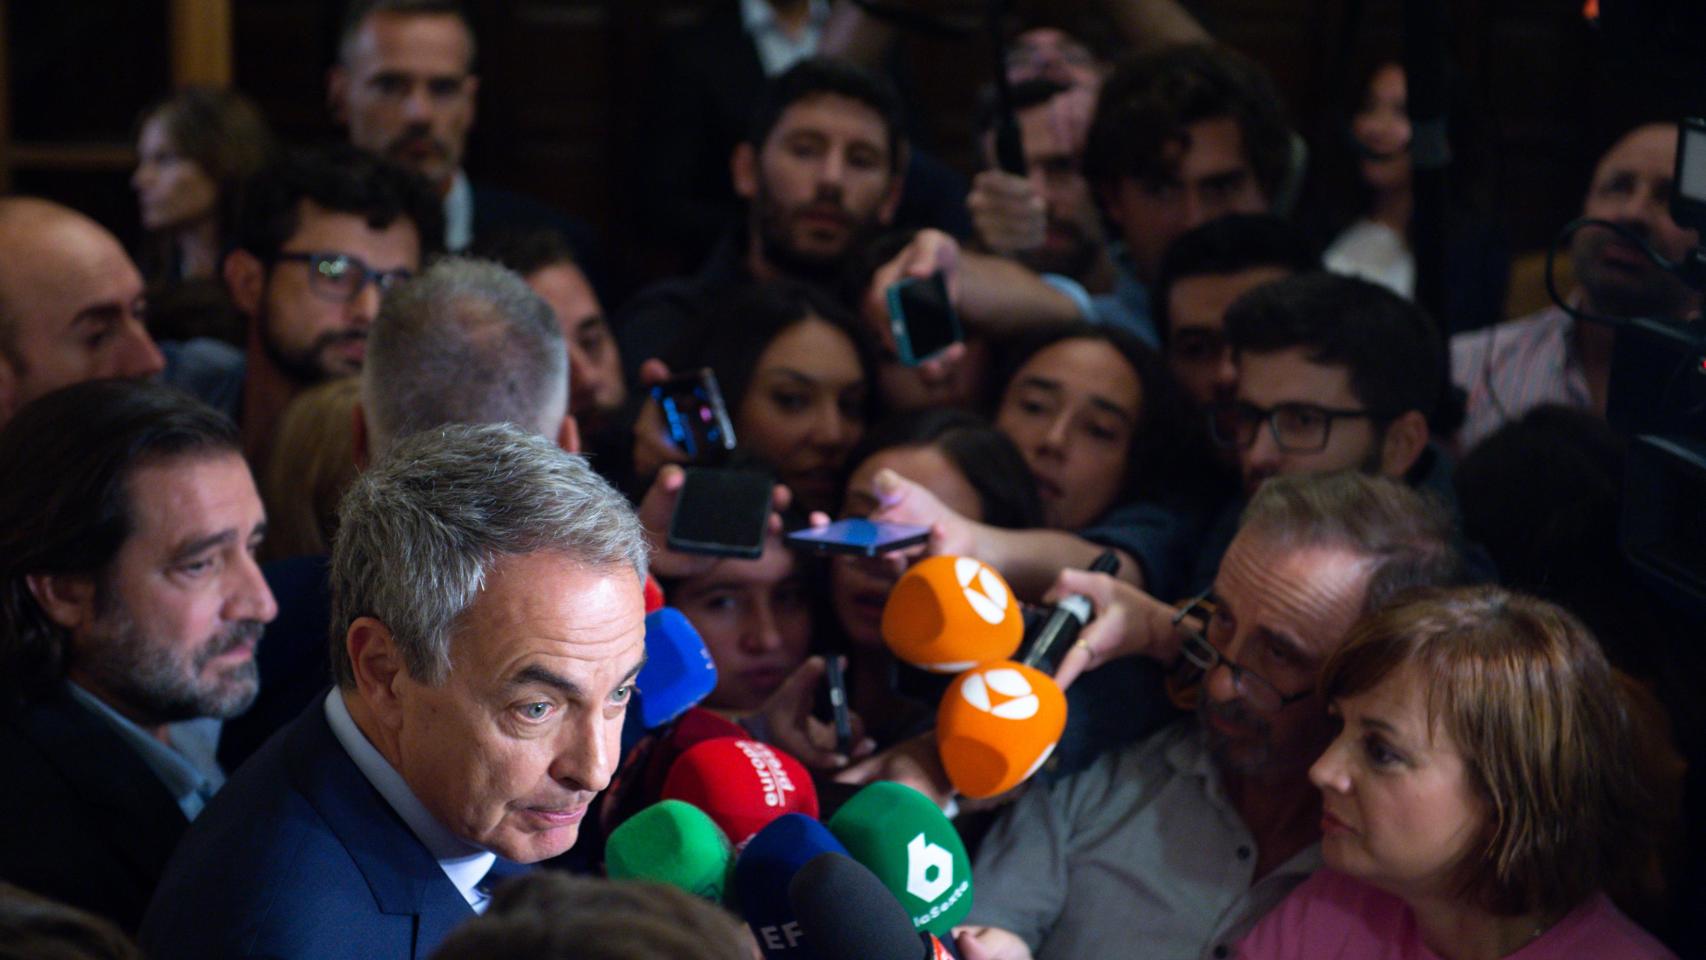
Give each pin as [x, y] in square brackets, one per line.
[465, 342]
[1182, 841]
[487, 629]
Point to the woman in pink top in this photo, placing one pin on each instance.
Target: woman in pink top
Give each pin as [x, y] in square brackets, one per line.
[1481, 797]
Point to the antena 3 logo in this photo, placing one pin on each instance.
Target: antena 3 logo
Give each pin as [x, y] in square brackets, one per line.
[1001, 691]
[984, 591]
[929, 875]
[772, 777]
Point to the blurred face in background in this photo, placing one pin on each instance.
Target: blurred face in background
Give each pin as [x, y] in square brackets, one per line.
[1072, 410]
[596, 386]
[1381, 129]
[1632, 188]
[805, 409]
[860, 585]
[405, 89]
[172, 190]
[755, 618]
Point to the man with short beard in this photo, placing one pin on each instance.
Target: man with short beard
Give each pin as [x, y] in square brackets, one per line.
[1182, 841]
[321, 236]
[821, 174]
[130, 610]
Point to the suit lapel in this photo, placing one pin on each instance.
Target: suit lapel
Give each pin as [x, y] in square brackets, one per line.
[401, 874]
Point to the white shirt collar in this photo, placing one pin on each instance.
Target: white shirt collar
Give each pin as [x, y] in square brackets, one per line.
[776, 50]
[458, 213]
[465, 864]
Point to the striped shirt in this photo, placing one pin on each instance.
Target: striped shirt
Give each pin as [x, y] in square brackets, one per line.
[1511, 368]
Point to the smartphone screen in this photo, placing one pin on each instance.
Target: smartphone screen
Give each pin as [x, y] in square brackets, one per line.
[1688, 199]
[722, 512]
[862, 537]
[922, 318]
[694, 412]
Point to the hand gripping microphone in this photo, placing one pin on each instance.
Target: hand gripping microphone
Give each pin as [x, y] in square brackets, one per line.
[997, 723]
[948, 614]
[1068, 616]
[846, 913]
[903, 839]
[741, 784]
[762, 873]
[679, 671]
[671, 842]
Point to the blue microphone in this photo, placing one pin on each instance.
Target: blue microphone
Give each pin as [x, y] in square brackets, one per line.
[762, 875]
[679, 671]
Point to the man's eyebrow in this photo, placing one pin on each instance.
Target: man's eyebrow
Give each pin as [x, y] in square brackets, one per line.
[536, 674]
[190, 548]
[1294, 648]
[99, 313]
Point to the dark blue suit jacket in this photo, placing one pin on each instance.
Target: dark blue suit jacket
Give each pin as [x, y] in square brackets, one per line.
[299, 856]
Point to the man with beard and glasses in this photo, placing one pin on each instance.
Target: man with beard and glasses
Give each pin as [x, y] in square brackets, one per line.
[130, 610]
[321, 235]
[404, 86]
[1181, 842]
[1549, 357]
[821, 175]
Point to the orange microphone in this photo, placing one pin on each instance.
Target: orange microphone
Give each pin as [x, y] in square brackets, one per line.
[997, 723]
[949, 614]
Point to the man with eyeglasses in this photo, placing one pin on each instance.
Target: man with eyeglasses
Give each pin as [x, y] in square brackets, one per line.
[320, 237]
[1181, 842]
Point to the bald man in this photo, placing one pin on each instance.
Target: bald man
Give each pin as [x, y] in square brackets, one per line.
[71, 305]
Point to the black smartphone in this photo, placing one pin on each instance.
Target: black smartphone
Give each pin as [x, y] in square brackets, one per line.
[922, 318]
[836, 682]
[694, 413]
[722, 512]
[861, 537]
[1688, 196]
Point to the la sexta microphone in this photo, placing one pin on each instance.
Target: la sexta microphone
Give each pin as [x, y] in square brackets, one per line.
[679, 671]
[902, 838]
[1065, 619]
[671, 842]
[742, 785]
[949, 614]
[762, 874]
[846, 913]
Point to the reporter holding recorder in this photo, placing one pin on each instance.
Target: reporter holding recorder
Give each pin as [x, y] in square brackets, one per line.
[1483, 797]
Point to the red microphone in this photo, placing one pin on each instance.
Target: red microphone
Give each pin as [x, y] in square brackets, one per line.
[742, 784]
[949, 614]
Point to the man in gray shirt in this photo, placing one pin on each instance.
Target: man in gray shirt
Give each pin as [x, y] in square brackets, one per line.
[1176, 845]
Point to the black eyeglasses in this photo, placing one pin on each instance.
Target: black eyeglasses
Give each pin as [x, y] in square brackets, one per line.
[1201, 657]
[1296, 427]
[340, 277]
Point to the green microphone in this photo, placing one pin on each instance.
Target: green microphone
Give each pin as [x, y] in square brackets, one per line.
[671, 842]
[899, 834]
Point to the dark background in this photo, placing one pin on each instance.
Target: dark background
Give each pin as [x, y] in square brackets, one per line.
[558, 114]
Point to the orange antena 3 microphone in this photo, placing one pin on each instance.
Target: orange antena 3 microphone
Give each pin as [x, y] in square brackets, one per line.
[949, 614]
[997, 724]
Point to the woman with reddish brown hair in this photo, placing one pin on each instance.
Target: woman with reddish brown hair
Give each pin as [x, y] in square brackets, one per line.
[1482, 799]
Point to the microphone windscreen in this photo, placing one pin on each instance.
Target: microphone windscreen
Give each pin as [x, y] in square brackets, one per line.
[996, 726]
[671, 842]
[903, 839]
[653, 594]
[742, 784]
[763, 872]
[948, 614]
[679, 671]
[846, 913]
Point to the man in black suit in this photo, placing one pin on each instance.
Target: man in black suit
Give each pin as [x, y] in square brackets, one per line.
[489, 623]
[130, 608]
[404, 85]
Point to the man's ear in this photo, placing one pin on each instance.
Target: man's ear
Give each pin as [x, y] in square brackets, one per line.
[897, 186]
[1406, 438]
[358, 437]
[337, 94]
[569, 434]
[743, 170]
[245, 280]
[378, 667]
[67, 599]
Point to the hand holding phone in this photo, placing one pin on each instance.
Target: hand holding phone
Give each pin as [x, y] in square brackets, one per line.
[922, 318]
